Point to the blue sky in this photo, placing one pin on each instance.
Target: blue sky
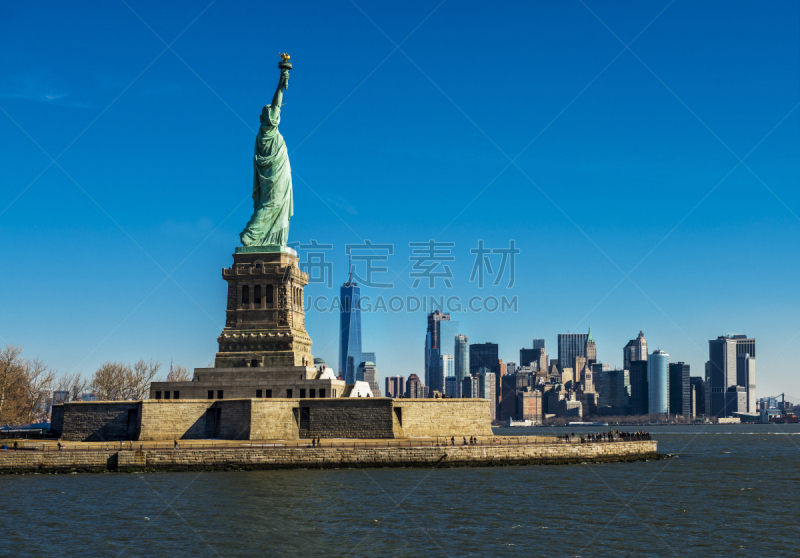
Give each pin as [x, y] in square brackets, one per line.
[626, 195]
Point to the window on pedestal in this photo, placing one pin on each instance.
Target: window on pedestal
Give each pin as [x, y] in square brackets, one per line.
[268, 294]
[245, 295]
[268, 393]
[288, 394]
[258, 393]
[322, 392]
[302, 393]
[158, 395]
[257, 295]
[211, 394]
[312, 393]
[176, 395]
[219, 394]
[166, 395]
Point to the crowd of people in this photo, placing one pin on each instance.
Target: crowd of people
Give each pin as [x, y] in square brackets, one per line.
[609, 436]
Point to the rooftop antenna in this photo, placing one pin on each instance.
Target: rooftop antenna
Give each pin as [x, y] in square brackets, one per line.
[350, 268]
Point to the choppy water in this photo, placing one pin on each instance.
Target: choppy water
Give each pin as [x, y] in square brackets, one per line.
[734, 491]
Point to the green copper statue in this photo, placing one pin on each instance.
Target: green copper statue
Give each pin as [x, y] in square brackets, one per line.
[272, 178]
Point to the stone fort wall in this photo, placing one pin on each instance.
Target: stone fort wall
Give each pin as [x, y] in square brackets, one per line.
[271, 419]
[339, 457]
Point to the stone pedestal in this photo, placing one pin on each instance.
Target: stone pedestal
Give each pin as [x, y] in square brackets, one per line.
[265, 319]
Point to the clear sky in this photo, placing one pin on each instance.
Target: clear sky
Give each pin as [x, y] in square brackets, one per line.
[652, 188]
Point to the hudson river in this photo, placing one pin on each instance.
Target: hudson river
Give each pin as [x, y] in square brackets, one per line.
[733, 491]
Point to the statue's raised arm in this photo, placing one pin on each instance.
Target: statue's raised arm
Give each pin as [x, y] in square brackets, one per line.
[283, 83]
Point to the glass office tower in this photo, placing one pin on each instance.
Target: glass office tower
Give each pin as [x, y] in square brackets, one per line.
[657, 382]
[349, 331]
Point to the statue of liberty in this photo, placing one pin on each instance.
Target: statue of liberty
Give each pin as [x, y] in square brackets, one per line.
[273, 204]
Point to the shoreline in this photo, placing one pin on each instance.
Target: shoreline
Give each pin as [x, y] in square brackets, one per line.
[323, 458]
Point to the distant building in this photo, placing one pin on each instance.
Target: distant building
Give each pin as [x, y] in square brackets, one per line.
[395, 386]
[597, 372]
[511, 368]
[368, 357]
[452, 387]
[368, 372]
[349, 330]
[538, 344]
[701, 391]
[639, 388]
[529, 403]
[571, 407]
[487, 389]
[680, 395]
[571, 345]
[615, 392]
[508, 403]
[434, 378]
[636, 349]
[60, 397]
[724, 372]
[533, 357]
[590, 351]
[658, 382]
[568, 378]
[578, 365]
[746, 377]
[501, 371]
[483, 355]
[447, 363]
[469, 388]
[461, 356]
[414, 387]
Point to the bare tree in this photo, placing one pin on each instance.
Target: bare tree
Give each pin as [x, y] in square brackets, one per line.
[143, 373]
[118, 381]
[179, 374]
[37, 389]
[109, 381]
[12, 376]
[73, 384]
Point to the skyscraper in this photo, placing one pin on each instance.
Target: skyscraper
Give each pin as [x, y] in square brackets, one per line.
[447, 363]
[636, 349]
[395, 386]
[746, 377]
[639, 388]
[658, 382]
[483, 355]
[724, 374]
[369, 357]
[615, 392]
[538, 344]
[487, 389]
[461, 356]
[702, 395]
[440, 329]
[590, 352]
[451, 387]
[680, 401]
[414, 388]
[570, 345]
[349, 330]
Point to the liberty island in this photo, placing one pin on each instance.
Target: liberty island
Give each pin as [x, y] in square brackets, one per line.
[265, 385]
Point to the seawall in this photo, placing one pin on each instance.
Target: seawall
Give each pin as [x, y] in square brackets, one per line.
[323, 458]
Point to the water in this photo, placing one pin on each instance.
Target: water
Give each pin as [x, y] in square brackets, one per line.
[734, 491]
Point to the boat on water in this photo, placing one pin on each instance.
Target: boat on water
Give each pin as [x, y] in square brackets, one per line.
[512, 422]
[588, 424]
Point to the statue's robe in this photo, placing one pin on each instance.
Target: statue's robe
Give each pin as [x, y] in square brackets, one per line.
[272, 186]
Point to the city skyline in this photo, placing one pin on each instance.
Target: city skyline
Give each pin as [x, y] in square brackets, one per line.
[605, 134]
